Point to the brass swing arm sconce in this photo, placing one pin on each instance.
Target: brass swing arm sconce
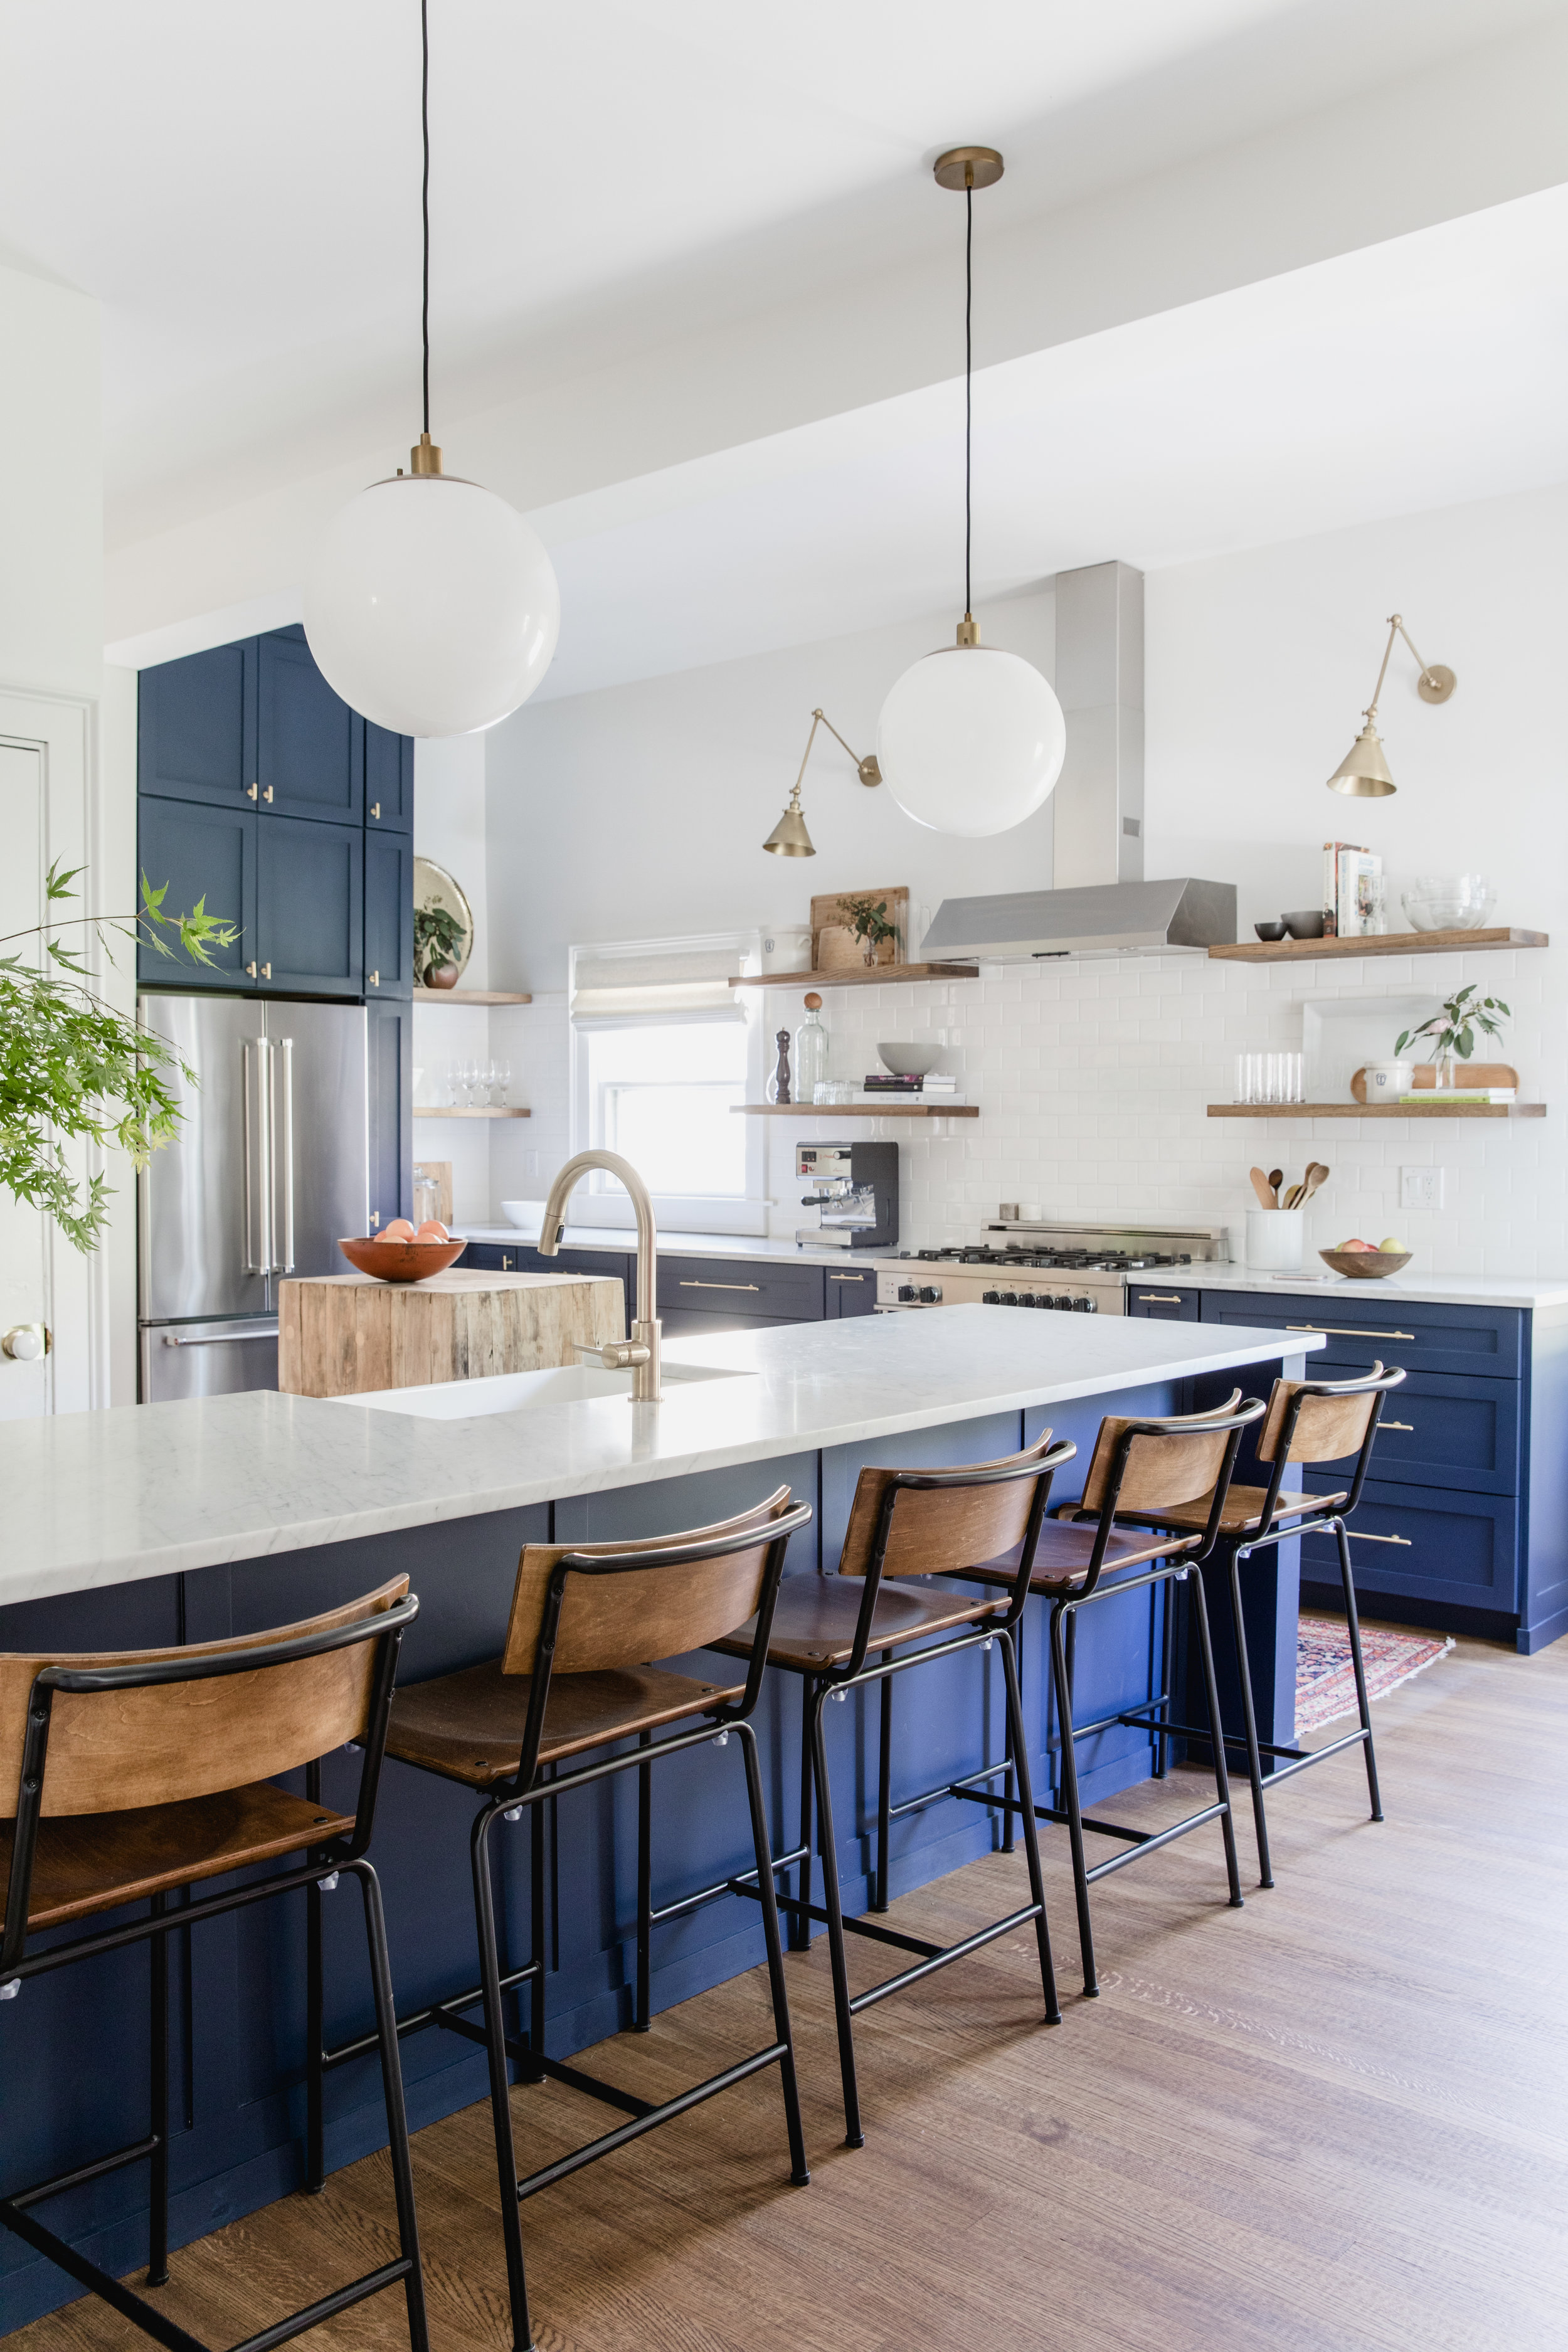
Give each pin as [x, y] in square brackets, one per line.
[1363, 773]
[789, 837]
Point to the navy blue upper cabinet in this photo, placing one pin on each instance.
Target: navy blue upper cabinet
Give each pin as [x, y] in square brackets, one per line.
[310, 746]
[310, 922]
[196, 727]
[388, 781]
[388, 914]
[200, 852]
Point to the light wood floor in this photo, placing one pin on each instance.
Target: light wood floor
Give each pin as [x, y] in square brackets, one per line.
[1332, 2120]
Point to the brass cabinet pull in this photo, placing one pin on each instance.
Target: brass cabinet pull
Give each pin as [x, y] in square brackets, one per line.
[267, 793]
[375, 980]
[375, 808]
[1349, 1331]
[694, 1285]
[250, 791]
[1407, 1426]
[375, 1216]
[508, 1265]
[250, 968]
[267, 971]
[1356, 1535]
[832, 1277]
[1159, 1298]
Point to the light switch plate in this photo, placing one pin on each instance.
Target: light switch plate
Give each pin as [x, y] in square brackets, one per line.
[1420, 1188]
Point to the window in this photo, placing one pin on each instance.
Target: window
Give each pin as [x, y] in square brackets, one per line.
[663, 1051]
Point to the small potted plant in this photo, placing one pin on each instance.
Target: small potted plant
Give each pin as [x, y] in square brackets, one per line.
[1453, 1029]
[868, 919]
[439, 938]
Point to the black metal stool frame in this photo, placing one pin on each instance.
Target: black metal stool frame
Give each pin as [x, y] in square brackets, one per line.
[837, 1683]
[1065, 1604]
[529, 1791]
[1293, 1760]
[17, 1966]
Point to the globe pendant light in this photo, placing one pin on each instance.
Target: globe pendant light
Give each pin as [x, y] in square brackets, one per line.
[431, 604]
[971, 739]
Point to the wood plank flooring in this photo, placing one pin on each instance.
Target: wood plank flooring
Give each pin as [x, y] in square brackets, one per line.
[1332, 2120]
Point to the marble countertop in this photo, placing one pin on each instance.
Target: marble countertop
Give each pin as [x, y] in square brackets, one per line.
[677, 1244]
[1429, 1289]
[103, 1499]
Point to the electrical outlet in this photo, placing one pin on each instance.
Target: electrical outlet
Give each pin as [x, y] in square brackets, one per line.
[1420, 1188]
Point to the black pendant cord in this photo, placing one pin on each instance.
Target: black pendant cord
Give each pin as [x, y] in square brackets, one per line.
[968, 369]
[425, 195]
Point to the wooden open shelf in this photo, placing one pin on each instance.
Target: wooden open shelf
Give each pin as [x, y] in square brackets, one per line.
[468, 997]
[1376, 1110]
[1386, 944]
[854, 1111]
[877, 975]
[442, 1111]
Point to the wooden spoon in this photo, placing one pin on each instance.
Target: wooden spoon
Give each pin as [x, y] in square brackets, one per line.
[1317, 1176]
[1260, 1185]
[1276, 1178]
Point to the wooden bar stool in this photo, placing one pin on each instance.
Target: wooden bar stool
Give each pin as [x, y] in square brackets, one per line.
[1149, 1467]
[146, 1771]
[908, 1530]
[1308, 1422]
[575, 1679]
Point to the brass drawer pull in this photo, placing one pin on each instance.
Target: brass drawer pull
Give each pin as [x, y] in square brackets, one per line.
[1159, 1298]
[1356, 1537]
[846, 1278]
[1407, 1426]
[1347, 1331]
[694, 1285]
[250, 791]
[375, 808]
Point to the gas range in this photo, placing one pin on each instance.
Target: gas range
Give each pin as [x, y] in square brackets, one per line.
[1075, 1269]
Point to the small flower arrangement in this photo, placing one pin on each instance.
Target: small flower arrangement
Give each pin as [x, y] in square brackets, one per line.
[868, 919]
[1453, 1028]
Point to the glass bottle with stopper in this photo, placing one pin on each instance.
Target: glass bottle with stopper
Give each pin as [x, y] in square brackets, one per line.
[810, 1052]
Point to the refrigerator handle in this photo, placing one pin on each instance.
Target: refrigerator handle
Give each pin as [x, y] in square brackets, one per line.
[283, 1260]
[256, 1092]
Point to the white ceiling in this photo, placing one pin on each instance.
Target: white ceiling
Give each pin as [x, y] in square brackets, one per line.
[239, 188]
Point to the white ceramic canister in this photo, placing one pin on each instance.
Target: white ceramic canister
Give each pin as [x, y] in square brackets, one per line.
[1274, 1239]
[1386, 1081]
[786, 948]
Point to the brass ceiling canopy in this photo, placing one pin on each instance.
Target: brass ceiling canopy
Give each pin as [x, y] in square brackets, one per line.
[1363, 775]
[968, 167]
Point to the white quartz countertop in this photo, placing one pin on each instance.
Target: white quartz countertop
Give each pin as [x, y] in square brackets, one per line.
[103, 1499]
[1429, 1289]
[624, 1239]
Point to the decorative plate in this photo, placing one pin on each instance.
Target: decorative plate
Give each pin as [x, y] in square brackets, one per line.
[434, 887]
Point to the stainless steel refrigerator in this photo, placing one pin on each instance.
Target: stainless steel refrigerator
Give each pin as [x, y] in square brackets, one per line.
[271, 1166]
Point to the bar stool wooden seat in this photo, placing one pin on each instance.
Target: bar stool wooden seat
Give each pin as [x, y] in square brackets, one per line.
[1154, 1468]
[846, 1632]
[576, 1677]
[140, 1772]
[1307, 1421]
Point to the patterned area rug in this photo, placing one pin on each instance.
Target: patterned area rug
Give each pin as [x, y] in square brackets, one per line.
[1325, 1677]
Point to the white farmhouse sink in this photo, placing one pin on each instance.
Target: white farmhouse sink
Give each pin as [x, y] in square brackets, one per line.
[524, 1392]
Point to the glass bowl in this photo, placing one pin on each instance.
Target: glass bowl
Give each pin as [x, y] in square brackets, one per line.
[1448, 913]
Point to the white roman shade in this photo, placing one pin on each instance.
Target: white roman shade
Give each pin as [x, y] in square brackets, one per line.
[656, 981]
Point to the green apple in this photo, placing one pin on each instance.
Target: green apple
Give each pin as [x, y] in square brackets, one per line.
[1391, 1241]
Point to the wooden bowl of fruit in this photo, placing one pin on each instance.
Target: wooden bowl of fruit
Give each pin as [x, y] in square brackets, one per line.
[1367, 1261]
[402, 1252]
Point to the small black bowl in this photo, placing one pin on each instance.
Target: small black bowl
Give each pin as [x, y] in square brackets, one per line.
[1306, 925]
[1270, 930]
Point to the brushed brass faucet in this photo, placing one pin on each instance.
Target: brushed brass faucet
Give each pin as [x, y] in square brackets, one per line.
[639, 1355]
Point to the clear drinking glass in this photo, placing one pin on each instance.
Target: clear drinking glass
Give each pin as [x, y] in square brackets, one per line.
[468, 1082]
[500, 1082]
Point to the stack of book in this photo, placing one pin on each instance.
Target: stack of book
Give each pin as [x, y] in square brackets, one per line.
[1354, 892]
[937, 1085]
[1435, 1097]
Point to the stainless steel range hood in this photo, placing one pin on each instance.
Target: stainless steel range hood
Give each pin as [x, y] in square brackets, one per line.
[1102, 906]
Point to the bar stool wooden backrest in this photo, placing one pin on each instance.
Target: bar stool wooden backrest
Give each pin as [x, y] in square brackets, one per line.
[1323, 1421]
[589, 1609]
[1151, 1466]
[120, 1730]
[908, 1523]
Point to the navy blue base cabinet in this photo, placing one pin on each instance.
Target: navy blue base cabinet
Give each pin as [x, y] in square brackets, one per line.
[1464, 1527]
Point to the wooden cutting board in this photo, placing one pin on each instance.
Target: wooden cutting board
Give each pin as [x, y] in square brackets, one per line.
[1469, 1074]
[347, 1334]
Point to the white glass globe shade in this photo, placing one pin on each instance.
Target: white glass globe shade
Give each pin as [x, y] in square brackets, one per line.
[971, 740]
[431, 606]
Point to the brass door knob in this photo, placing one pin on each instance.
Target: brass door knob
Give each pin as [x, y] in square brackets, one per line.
[25, 1342]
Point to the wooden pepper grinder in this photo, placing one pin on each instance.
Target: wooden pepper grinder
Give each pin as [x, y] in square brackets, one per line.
[778, 1084]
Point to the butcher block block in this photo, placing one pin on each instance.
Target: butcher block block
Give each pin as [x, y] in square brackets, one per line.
[347, 1334]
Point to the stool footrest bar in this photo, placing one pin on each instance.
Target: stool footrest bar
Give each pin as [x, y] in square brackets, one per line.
[604, 2146]
[744, 1882]
[440, 2012]
[23, 2198]
[799, 1910]
[939, 1955]
[1150, 1840]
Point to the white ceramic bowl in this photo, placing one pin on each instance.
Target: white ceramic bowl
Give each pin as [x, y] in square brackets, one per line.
[909, 1060]
[528, 1216]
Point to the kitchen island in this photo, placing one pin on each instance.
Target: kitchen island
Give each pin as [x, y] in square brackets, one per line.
[186, 1522]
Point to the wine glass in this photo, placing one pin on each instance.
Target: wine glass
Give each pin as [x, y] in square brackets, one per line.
[500, 1082]
[468, 1081]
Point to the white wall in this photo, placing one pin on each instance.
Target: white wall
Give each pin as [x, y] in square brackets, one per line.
[640, 809]
[449, 828]
[51, 490]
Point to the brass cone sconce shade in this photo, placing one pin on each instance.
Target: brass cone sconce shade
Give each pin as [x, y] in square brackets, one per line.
[1363, 773]
[789, 837]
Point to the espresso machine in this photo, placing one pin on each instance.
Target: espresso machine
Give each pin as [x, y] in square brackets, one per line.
[854, 1191]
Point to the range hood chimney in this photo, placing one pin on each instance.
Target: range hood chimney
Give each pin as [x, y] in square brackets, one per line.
[1101, 905]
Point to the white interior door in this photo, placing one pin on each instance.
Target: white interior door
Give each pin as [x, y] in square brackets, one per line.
[44, 814]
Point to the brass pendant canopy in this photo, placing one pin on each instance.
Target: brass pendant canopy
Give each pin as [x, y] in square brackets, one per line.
[968, 167]
[1363, 774]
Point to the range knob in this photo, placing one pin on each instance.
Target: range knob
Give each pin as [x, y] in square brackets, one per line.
[1063, 1301]
[1038, 1299]
[991, 1298]
[1086, 1307]
[1009, 1298]
[931, 1296]
[906, 1294]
